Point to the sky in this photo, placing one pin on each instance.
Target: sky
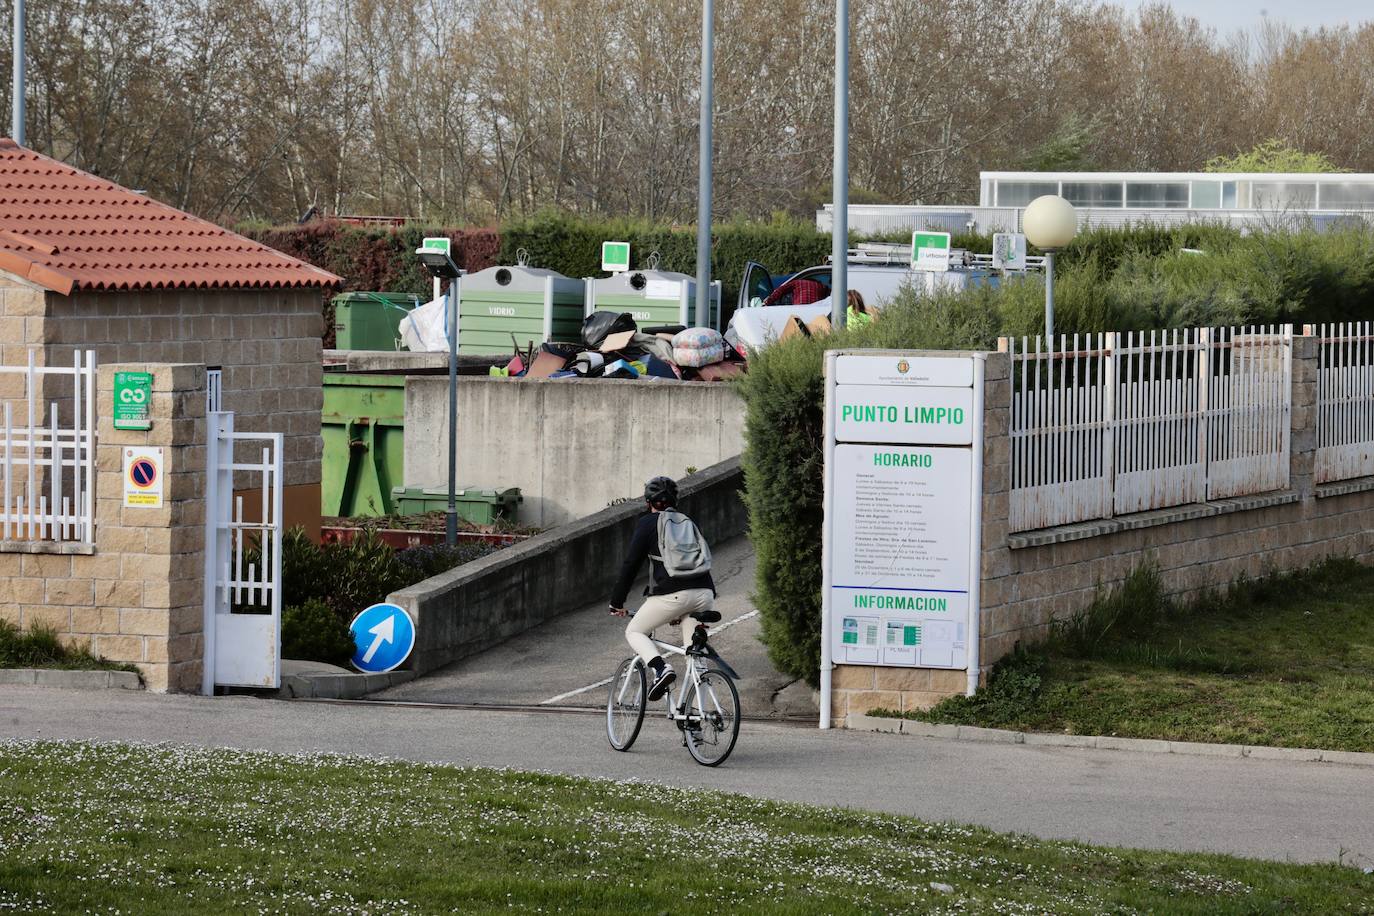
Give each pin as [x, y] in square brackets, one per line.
[1228, 15]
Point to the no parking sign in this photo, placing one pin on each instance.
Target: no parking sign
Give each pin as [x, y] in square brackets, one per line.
[144, 470]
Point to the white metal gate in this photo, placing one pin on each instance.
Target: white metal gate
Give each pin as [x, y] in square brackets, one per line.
[242, 557]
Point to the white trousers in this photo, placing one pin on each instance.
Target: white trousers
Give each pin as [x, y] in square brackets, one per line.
[658, 610]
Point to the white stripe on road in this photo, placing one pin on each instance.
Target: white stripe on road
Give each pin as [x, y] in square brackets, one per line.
[572, 693]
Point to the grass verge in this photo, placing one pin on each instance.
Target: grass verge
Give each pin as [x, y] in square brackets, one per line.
[115, 827]
[1285, 661]
[40, 647]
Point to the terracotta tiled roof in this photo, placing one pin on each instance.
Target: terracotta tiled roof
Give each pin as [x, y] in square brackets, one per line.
[66, 229]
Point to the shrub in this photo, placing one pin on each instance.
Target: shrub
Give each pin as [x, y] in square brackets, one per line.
[313, 632]
[41, 647]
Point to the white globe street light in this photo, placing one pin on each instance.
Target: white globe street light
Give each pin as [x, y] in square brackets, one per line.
[1049, 223]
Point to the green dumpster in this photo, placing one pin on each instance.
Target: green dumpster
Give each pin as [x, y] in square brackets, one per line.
[363, 426]
[370, 321]
[654, 297]
[527, 303]
[478, 506]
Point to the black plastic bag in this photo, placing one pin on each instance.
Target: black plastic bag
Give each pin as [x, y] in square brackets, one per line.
[597, 326]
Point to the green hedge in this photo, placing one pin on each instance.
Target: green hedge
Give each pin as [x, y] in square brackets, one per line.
[1111, 280]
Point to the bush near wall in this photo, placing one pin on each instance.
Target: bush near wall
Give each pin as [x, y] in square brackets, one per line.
[374, 258]
[1117, 280]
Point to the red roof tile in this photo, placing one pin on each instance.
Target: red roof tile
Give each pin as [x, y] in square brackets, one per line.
[65, 229]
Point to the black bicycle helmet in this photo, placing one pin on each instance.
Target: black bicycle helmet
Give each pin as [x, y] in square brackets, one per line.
[661, 490]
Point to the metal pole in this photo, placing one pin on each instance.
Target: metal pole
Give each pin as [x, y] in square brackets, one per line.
[703, 311]
[839, 253]
[827, 541]
[17, 128]
[451, 519]
[1049, 297]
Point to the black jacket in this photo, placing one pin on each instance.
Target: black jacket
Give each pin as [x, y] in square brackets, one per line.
[644, 545]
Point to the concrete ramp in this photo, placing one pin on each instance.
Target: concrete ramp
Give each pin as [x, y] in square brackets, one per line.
[565, 661]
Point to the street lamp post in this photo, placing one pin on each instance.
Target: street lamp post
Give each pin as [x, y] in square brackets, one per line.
[1050, 223]
[839, 250]
[441, 266]
[703, 313]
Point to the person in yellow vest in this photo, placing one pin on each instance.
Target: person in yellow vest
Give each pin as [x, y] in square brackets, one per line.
[858, 315]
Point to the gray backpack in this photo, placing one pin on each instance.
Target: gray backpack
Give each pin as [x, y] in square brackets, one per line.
[681, 548]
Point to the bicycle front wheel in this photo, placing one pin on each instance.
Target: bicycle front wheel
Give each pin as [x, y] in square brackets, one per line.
[712, 717]
[625, 704]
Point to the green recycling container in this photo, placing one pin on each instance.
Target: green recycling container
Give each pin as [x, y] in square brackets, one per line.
[370, 321]
[363, 427]
[528, 304]
[476, 505]
[654, 297]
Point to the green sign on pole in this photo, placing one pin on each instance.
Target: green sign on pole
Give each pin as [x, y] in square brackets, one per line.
[930, 251]
[615, 257]
[438, 244]
[133, 395]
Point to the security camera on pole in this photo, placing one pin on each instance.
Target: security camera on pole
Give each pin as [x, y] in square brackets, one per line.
[434, 255]
[1050, 223]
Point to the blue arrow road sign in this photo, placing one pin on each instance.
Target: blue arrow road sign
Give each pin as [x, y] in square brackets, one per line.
[383, 636]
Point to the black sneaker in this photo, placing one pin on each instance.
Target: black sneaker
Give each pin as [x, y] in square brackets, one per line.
[661, 683]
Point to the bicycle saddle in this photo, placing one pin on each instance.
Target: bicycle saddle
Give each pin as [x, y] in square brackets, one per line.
[706, 616]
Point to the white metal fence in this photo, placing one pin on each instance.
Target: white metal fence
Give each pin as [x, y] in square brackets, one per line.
[1345, 401]
[1110, 424]
[47, 470]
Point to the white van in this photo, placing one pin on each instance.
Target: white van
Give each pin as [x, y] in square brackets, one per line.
[877, 272]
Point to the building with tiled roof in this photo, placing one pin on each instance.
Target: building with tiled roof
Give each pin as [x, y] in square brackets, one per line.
[87, 264]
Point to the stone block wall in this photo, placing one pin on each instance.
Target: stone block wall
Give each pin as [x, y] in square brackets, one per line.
[1030, 579]
[136, 594]
[266, 341]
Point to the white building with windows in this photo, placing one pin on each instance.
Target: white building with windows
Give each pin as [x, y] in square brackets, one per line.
[1125, 198]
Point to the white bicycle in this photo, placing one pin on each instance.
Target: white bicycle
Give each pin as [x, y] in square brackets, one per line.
[706, 711]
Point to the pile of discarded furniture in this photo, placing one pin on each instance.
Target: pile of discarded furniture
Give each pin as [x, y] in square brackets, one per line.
[613, 346]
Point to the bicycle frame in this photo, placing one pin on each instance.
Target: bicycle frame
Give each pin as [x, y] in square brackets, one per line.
[692, 676]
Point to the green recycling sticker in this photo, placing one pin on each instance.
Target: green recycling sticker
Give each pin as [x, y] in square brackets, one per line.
[133, 395]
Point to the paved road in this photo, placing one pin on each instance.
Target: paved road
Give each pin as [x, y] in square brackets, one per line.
[564, 656]
[1258, 808]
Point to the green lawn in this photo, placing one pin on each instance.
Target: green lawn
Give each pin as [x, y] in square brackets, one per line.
[1287, 662]
[111, 827]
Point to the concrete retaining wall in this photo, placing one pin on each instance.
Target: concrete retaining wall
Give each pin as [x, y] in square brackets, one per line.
[478, 605]
[572, 447]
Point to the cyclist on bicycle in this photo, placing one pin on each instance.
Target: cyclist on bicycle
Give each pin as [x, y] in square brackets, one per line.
[672, 597]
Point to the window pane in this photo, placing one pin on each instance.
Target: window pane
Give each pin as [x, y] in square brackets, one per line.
[1168, 194]
[1348, 195]
[1093, 193]
[1285, 195]
[1228, 195]
[1207, 195]
[1020, 193]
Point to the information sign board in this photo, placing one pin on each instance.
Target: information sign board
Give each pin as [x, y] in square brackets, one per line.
[930, 251]
[903, 511]
[1008, 251]
[133, 396]
[615, 257]
[901, 552]
[438, 244]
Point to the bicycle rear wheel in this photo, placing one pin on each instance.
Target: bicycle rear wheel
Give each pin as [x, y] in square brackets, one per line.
[712, 708]
[625, 704]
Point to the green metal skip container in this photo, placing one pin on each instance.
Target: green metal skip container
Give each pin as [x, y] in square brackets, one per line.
[363, 426]
[370, 321]
[532, 304]
[654, 297]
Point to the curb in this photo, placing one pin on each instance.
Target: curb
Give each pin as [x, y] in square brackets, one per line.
[339, 686]
[861, 722]
[69, 679]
